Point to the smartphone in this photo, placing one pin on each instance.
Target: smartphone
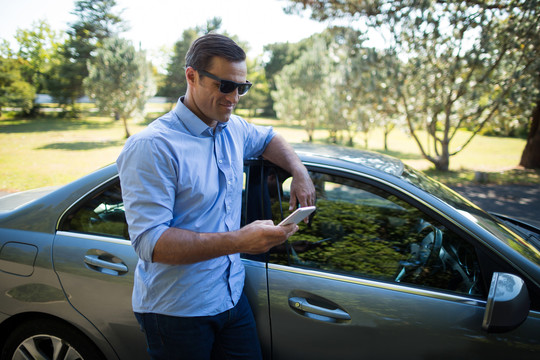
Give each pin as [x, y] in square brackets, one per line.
[298, 215]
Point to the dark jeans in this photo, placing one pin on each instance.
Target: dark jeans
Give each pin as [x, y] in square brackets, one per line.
[229, 335]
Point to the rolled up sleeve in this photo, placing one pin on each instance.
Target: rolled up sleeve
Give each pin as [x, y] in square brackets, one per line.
[147, 178]
[256, 140]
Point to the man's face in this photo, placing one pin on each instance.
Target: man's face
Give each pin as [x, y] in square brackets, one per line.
[211, 105]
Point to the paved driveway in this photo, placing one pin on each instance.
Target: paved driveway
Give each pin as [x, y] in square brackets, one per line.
[519, 201]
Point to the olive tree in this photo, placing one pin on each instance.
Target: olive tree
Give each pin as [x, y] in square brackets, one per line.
[14, 90]
[120, 79]
[97, 20]
[461, 60]
[302, 89]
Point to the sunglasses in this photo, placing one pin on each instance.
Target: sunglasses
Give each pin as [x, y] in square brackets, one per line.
[228, 86]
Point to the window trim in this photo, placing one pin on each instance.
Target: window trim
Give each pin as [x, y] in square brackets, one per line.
[401, 287]
[73, 207]
[94, 237]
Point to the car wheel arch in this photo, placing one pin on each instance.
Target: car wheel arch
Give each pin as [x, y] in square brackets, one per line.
[15, 322]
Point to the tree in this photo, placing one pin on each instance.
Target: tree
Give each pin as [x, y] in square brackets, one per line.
[14, 90]
[452, 54]
[37, 47]
[303, 91]
[530, 157]
[175, 80]
[96, 22]
[119, 79]
[279, 55]
[25, 70]
[257, 97]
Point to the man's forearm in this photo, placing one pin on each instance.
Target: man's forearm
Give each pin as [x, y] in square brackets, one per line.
[281, 153]
[179, 246]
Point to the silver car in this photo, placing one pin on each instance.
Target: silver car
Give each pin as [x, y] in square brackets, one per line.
[391, 265]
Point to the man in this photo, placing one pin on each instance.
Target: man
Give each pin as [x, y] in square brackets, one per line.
[182, 180]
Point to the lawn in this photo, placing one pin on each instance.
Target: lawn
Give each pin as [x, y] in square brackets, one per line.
[53, 151]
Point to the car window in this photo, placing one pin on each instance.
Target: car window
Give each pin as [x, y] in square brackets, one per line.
[360, 230]
[99, 214]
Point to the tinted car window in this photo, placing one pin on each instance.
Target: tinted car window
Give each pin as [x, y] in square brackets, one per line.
[360, 230]
[99, 214]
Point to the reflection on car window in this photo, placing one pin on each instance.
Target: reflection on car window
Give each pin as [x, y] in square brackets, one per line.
[101, 214]
[363, 231]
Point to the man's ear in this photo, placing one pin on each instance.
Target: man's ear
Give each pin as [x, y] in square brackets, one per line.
[191, 75]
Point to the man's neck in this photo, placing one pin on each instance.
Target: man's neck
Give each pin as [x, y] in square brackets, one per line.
[192, 106]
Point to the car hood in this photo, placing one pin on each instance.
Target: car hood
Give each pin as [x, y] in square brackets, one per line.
[13, 201]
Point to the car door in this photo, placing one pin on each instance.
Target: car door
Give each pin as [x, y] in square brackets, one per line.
[95, 261]
[374, 275]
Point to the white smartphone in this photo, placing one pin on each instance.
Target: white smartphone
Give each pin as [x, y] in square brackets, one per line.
[298, 215]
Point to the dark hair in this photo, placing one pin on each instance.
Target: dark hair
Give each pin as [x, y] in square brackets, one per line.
[204, 49]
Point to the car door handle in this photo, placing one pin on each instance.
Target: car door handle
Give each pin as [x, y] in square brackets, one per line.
[105, 266]
[301, 304]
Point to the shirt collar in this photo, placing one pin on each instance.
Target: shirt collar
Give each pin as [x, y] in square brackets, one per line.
[193, 124]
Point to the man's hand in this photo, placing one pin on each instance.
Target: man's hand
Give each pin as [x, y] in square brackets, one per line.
[282, 154]
[178, 246]
[302, 189]
[262, 235]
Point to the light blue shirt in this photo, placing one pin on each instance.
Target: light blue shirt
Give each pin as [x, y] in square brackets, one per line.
[181, 173]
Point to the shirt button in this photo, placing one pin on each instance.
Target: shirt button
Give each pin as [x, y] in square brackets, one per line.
[229, 182]
[220, 161]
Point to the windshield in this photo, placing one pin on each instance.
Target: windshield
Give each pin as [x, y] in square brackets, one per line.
[483, 219]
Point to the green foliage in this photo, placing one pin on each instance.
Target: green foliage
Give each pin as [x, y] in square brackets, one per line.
[303, 88]
[96, 22]
[336, 82]
[120, 79]
[14, 90]
[37, 46]
[25, 70]
[457, 64]
[258, 97]
[175, 80]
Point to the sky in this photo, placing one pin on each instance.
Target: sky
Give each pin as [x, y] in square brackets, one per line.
[159, 23]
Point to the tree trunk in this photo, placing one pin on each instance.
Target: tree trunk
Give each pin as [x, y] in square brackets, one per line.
[124, 120]
[442, 162]
[530, 158]
[310, 136]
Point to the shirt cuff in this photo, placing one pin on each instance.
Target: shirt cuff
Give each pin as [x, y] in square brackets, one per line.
[144, 245]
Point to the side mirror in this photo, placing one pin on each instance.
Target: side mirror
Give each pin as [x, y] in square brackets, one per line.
[507, 304]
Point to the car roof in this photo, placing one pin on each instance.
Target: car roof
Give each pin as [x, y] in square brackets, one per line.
[345, 157]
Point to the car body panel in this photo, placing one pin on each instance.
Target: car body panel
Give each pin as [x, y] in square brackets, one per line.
[387, 321]
[39, 295]
[101, 293]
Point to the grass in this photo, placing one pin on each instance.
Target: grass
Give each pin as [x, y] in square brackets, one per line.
[52, 151]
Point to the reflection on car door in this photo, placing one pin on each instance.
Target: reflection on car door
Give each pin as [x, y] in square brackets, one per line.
[95, 261]
[374, 277]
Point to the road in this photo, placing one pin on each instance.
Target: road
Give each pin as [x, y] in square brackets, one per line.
[518, 201]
